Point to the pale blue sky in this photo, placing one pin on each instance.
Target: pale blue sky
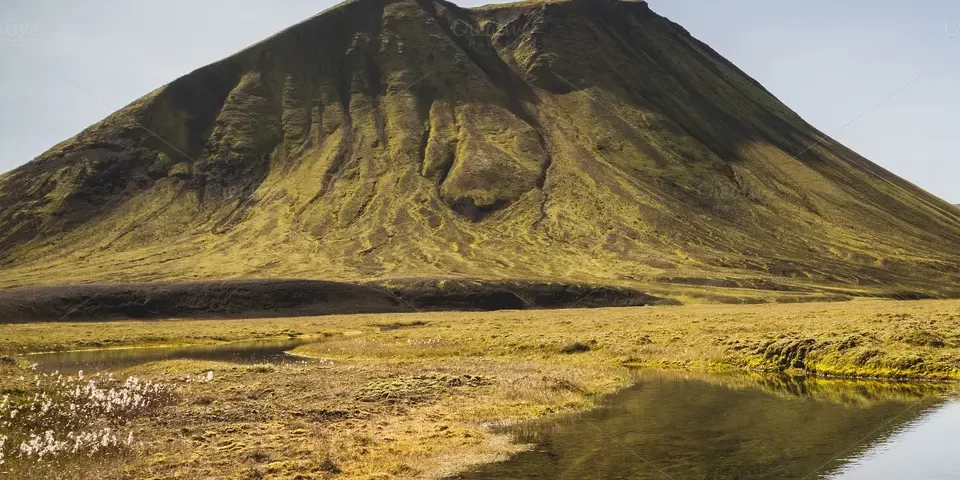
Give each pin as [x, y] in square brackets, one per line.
[892, 68]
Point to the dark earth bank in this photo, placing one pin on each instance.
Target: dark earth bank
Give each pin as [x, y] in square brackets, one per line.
[271, 298]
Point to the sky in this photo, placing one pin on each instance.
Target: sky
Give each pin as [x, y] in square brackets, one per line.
[880, 76]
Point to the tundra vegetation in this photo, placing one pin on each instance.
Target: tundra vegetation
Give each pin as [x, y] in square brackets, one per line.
[416, 395]
[413, 143]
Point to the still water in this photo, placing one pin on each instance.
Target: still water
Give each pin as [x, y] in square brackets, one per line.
[110, 359]
[683, 427]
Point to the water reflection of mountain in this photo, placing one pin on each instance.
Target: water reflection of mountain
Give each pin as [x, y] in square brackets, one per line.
[694, 426]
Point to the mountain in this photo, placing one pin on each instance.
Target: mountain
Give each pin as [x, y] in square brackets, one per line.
[567, 142]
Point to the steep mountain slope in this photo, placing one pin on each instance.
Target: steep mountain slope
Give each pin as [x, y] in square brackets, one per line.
[570, 141]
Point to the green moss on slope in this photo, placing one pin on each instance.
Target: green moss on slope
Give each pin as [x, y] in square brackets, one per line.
[574, 141]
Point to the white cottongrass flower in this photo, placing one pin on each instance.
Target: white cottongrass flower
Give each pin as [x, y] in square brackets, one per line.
[90, 413]
[48, 444]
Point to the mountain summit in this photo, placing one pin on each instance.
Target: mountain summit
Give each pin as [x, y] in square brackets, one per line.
[576, 141]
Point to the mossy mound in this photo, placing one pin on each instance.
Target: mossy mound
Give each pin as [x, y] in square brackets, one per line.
[563, 141]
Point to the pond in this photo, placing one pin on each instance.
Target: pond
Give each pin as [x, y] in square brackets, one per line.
[673, 426]
[255, 351]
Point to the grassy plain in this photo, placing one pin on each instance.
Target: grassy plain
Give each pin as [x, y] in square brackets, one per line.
[413, 395]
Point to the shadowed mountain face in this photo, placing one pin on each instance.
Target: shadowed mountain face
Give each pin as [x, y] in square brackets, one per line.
[572, 141]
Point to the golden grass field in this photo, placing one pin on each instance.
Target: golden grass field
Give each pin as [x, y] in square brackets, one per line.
[413, 395]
